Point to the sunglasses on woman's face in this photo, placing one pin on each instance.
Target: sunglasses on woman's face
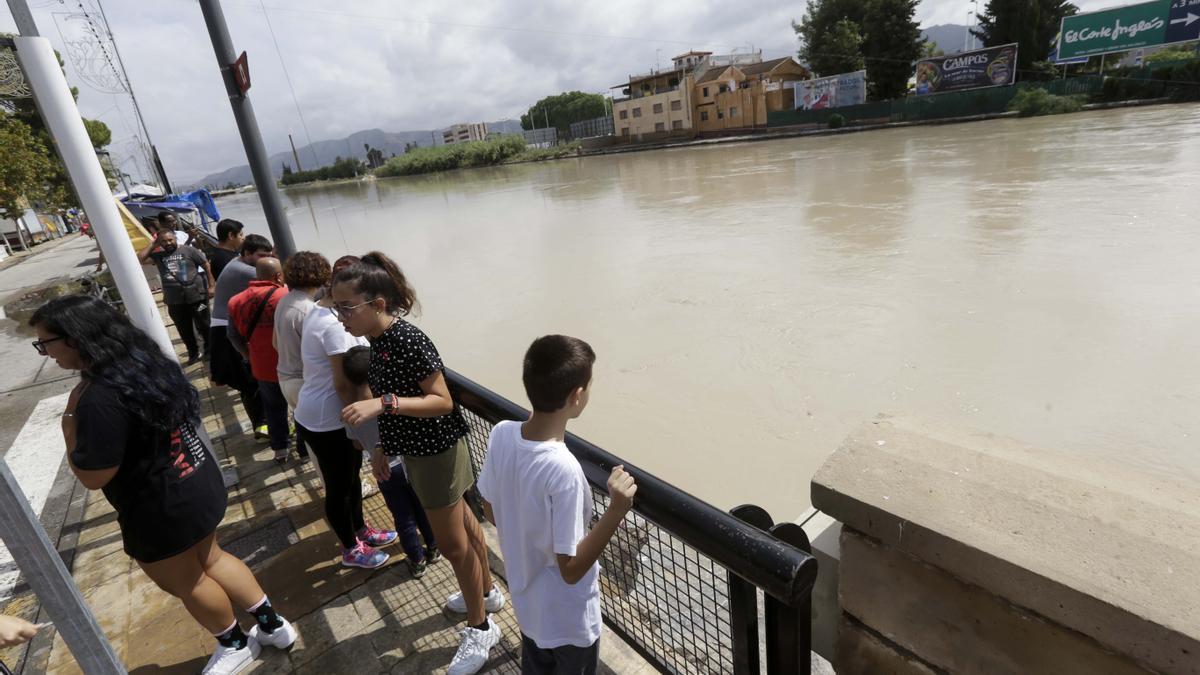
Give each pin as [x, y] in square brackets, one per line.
[40, 345]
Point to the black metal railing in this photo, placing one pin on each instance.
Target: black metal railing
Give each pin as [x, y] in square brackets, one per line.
[680, 579]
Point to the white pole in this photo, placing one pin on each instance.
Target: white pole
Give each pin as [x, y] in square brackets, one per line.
[58, 110]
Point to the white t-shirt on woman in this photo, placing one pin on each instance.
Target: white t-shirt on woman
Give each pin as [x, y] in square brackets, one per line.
[322, 336]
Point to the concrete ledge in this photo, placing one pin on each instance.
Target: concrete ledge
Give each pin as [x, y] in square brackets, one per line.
[861, 651]
[953, 626]
[1098, 549]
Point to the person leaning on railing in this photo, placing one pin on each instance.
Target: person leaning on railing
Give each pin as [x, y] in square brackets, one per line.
[131, 430]
[536, 494]
[418, 419]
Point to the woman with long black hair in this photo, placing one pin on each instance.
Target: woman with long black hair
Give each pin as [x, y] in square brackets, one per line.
[131, 430]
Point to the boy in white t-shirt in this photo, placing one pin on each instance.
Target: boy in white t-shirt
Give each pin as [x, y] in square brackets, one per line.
[536, 494]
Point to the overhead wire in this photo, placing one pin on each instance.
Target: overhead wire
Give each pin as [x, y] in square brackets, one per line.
[459, 24]
[288, 78]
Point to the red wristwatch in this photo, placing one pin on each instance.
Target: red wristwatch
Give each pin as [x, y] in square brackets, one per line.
[391, 404]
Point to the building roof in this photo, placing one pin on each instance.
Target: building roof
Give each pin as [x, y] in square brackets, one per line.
[634, 79]
[764, 67]
[715, 72]
[691, 53]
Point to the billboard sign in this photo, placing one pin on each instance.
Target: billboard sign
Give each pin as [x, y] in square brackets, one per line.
[988, 67]
[835, 91]
[1123, 28]
[1115, 30]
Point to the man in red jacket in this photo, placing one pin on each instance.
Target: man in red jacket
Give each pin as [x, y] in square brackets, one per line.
[251, 327]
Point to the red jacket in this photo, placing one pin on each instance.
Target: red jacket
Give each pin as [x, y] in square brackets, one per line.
[242, 307]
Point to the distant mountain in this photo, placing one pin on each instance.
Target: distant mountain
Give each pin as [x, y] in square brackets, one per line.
[323, 153]
[948, 37]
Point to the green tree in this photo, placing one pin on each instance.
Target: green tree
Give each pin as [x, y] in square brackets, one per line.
[25, 166]
[374, 156]
[98, 132]
[1032, 24]
[58, 194]
[891, 43]
[1181, 52]
[930, 49]
[830, 34]
[561, 110]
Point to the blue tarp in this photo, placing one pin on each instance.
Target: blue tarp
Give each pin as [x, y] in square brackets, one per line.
[199, 200]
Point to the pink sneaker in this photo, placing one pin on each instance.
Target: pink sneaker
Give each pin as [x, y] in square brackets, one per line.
[377, 538]
[363, 556]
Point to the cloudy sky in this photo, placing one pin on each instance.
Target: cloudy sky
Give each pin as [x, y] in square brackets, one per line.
[361, 64]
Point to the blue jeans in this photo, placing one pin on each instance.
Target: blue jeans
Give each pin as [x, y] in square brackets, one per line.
[276, 408]
[411, 522]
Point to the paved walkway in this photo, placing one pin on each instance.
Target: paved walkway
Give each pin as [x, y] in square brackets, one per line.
[349, 620]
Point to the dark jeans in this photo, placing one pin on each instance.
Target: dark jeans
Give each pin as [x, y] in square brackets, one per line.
[190, 320]
[276, 409]
[411, 521]
[565, 660]
[227, 368]
[340, 463]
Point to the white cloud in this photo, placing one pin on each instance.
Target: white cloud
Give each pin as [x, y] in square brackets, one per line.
[397, 66]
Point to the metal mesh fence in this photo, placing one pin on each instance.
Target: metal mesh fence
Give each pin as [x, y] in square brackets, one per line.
[940, 106]
[600, 126]
[664, 597]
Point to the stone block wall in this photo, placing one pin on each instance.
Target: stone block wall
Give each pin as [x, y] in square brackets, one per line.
[965, 553]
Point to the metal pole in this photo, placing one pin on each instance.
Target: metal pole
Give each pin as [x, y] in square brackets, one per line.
[57, 107]
[295, 154]
[162, 172]
[243, 112]
[50, 581]
[23, 18]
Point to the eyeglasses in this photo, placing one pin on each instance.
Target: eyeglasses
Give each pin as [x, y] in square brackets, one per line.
[345, 312]
[40, 345]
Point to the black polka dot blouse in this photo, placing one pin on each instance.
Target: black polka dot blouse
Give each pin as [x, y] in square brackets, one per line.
[401, 358]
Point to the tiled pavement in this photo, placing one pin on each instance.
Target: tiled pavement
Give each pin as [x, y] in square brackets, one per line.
[380, 621]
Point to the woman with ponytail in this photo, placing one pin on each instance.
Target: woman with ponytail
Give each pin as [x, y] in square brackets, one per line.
[418, 419]
[325, 391]
[131, 430]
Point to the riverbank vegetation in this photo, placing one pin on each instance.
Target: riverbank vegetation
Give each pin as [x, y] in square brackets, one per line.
[1031, 102]
[1179, 82]
[347, 167]
[502, 150]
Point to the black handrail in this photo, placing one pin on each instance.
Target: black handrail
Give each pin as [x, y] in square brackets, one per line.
[779, 569]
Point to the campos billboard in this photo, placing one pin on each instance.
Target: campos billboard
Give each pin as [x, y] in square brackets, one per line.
[989, 67]
[835, 91]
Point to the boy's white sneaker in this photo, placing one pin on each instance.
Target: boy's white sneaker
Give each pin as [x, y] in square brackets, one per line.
[228, 661]
[492, 602]
[283, 637]
[474, 650]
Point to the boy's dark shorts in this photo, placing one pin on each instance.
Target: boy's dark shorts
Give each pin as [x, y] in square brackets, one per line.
[565, 660]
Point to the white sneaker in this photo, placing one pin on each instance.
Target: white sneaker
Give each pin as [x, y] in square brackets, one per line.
[283, 637]
[492, 602]
[473, 652]
[226, 661]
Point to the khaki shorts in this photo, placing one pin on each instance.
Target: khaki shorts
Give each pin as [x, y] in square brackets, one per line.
[441, 480]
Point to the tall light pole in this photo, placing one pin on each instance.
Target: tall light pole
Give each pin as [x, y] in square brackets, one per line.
[243, 113]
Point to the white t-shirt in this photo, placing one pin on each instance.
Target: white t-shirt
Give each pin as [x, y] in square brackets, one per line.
[289, 322]
[321, 336]
[543, 506]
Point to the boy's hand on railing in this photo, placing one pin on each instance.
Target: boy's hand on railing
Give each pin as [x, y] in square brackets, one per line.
[621, 489]
[15, 631]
